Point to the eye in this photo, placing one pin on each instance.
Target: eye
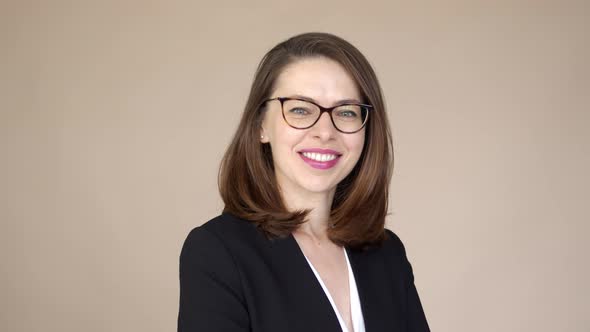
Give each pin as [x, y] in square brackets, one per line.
[347, 114]
[299, 111]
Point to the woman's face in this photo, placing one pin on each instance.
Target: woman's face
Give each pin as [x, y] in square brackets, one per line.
[327, 83]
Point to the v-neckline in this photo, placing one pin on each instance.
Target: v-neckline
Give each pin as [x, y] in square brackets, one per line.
[328, 295]
[351, 295]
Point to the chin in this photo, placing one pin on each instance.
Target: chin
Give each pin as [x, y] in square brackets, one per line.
[318, 187]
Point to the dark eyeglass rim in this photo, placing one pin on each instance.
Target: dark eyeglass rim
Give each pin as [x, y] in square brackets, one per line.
[322, 110]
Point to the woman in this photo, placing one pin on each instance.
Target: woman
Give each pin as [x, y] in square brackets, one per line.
[301, 243]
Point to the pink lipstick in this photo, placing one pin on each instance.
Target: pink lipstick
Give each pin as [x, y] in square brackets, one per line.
[315, 152]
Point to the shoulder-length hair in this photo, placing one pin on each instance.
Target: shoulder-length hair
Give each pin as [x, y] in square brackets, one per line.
[246, 178]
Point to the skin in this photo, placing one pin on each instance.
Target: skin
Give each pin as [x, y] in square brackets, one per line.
[302, 186]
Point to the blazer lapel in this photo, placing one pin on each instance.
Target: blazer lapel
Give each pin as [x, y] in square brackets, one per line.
[374, 290]
[310, 309]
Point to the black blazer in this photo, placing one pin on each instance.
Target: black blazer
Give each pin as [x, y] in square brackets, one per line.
[233, 279]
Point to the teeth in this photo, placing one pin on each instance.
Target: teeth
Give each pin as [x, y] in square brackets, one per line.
[319, 156]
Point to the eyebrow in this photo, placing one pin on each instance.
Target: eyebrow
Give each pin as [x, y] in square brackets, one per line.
[340, 102]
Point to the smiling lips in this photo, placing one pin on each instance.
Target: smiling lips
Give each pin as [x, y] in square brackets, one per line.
[320, 158]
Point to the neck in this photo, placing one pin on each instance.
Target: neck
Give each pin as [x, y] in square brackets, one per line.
[320, 204]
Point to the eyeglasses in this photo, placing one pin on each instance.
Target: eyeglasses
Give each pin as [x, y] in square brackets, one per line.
[302, 114]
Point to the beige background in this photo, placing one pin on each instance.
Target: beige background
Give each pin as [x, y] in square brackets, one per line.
[115, 114]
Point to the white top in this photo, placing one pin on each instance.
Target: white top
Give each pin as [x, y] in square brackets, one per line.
[358, 324]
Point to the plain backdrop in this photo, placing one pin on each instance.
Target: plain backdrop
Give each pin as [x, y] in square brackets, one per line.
[114, 116]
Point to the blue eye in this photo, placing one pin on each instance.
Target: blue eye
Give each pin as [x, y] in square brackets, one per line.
[348, 114]
[298, 111]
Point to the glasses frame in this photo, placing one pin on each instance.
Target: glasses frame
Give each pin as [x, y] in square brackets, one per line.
[322, 110]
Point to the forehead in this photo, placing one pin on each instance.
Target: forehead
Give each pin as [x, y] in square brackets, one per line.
[322, 79]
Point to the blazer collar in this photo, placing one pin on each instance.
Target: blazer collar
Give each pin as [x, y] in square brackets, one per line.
[371, 282]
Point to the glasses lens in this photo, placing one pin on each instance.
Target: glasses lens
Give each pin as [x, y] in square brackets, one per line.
[300, 114]
[349, 118]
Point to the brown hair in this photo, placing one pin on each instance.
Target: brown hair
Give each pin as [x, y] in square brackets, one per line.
[246, 178]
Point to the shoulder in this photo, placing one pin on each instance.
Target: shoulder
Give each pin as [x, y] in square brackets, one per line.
[393, 244]
[221, 225]
[230, 226]
[210, 282]
[396, 256]
[219, 235]
[202, 245]
[394, 251]
[390, 250]
[207, 249]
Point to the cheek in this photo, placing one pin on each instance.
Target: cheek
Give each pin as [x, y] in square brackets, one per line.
[286, 133]
[286, 139]
[355, 144]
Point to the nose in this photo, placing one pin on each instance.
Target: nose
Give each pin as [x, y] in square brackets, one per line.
[324, 128]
